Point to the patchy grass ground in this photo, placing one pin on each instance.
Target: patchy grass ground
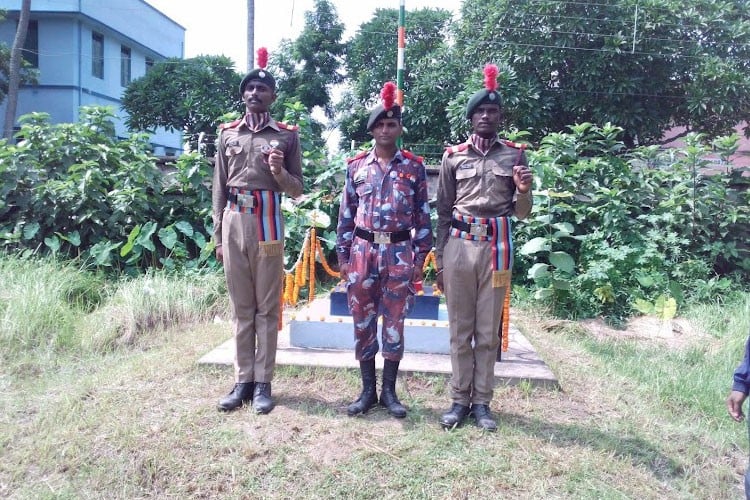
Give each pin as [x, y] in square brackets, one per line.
[637, 417]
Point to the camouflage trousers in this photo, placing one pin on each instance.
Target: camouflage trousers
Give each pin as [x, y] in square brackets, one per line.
[380, 285]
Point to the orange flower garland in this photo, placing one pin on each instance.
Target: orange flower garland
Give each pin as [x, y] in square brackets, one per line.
[324, 262]
[304, 269]
[311, 258]
[506, 319]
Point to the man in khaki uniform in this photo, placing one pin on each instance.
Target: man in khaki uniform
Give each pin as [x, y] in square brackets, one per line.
[257, 160]
[483, 182]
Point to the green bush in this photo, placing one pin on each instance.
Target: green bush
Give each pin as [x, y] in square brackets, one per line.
[74, 190]
[614, 231]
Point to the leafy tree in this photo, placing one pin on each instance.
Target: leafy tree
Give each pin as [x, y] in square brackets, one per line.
[645, 66]
[428, 81]
[308, 67]
[27, 75]
[185, 95]
[14, 70]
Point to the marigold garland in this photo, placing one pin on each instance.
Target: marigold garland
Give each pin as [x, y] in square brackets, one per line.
[506, 319]
[432, 260]
[311, 259]
[324, 262]
[303, 270]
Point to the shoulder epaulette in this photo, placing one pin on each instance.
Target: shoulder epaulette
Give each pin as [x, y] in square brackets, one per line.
[457, 149]
[230, 124]
[516, 145]
[361, 154]
[411, 156]
[286, 126]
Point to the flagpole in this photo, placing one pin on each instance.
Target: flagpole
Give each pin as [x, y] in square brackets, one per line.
[400, 58]
[401, 47]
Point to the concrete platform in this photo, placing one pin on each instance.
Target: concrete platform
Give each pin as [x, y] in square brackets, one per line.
[520, 363]
[314, 326]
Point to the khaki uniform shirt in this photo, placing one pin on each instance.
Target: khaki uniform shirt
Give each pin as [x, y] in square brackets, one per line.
[479, 186]
[240, 163]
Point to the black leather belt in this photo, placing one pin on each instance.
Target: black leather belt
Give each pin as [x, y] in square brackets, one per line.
[473, 229]
[382, 236]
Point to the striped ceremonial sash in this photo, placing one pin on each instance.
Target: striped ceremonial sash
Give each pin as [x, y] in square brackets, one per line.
[501, 238]
[267, 210]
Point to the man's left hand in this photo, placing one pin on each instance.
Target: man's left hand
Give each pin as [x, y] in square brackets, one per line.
[522, 177]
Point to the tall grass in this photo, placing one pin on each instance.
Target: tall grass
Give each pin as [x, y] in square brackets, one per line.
[152, 302]
[41, 302]
[46, 305]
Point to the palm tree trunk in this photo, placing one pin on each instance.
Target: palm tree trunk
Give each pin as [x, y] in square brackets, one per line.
[14, 75]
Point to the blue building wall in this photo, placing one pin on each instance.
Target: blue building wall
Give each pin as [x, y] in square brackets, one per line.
[66, 81]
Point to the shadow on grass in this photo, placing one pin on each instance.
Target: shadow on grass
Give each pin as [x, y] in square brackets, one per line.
[638, 450]
[317, 407]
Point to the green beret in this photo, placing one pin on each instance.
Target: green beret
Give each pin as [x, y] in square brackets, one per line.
[380, 112]
[261, 75]
[481, 97]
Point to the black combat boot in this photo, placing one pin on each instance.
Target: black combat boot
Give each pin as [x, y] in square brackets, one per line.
[483, 417]
[388, 396]
[242, 393]
[455, 416]
[369, 394]
[262, 402]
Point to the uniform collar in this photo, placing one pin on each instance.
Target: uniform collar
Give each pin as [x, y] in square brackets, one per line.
[481, 144]
[372, 157]
[256, 122]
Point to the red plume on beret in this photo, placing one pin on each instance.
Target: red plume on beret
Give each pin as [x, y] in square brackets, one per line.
[388, 95]
[490, 77]
[262, 57]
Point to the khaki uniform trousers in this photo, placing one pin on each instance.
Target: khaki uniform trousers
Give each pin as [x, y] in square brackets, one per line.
[474, 312]
[254, 285]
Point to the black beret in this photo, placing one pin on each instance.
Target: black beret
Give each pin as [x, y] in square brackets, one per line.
[481, 97]
[261, 75]
[380, 112]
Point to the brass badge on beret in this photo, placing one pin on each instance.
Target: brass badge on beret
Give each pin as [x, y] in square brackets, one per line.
[491, 97]
[389, 114]
[262, 74]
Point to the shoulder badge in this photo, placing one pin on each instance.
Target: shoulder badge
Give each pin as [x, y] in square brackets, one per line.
[514, 144]
[457, 149]
[286, 126]
[233, 124]
[360, 155]
[411, 156]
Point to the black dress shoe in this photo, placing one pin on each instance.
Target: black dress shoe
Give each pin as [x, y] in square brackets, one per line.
[242, 393]
[455, 416]
[262, 402]
[483, 417]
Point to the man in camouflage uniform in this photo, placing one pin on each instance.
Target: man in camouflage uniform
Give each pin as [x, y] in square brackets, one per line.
[483, 182]
[257, 160]
[383, 238]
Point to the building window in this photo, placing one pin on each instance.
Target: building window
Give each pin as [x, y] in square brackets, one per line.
[31, 45]
[149, 64]
[124, 66]
[97, 55]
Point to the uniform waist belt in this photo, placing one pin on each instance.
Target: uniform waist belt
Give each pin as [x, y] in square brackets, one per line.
[382, 236]
[471, 228]
[241, 197]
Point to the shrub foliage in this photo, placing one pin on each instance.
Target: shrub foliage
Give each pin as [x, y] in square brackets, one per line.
[75, 190]
[616, 231]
